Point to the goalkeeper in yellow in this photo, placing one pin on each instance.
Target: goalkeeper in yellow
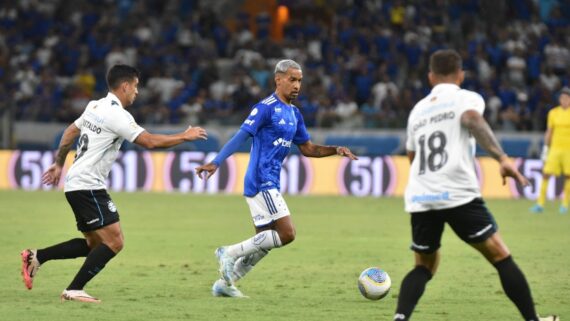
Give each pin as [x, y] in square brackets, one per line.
[556, 151]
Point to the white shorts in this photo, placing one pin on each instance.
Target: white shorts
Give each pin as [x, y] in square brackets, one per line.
[266, 207]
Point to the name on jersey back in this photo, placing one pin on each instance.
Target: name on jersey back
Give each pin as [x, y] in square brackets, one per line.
[94, 128]
[448, 115]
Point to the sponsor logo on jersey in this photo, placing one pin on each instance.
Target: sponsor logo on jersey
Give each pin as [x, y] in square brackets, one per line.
[98, 119]
[94, 128]
[282, 142]
[111, 206]
[282, 121]
[430, 197]
[249, 122]
[277, 109]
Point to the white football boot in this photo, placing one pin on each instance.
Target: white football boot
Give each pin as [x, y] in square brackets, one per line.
[226, 263]
[549, 318]
[222, 289]
[78, 295]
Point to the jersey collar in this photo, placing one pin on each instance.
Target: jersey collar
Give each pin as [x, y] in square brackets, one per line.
[443, 87]
[114, 100]
[281, 101]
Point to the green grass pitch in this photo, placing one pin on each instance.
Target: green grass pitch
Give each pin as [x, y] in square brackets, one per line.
[167, 266]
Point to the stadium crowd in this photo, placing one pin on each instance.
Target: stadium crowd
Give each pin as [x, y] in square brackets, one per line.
[364, 61]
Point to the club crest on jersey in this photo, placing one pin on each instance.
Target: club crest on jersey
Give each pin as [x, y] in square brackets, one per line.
[111, 206]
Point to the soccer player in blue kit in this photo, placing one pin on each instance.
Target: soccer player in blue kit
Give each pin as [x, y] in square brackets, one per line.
[275, 124]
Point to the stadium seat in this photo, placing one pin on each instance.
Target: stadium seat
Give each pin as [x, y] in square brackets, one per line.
[367, 145]
[516, 147]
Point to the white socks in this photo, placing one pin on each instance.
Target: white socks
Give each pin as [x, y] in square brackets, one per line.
[245, 263]
[265, 240]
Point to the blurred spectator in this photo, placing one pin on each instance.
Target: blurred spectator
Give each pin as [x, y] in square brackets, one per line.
[204, 62]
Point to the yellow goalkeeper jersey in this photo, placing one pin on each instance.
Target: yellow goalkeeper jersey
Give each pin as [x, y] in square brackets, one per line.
[559, 121]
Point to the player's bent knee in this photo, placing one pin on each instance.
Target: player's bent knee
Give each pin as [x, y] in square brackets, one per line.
[116, 246]
[287, 236]
[92, 242]
[429, 261]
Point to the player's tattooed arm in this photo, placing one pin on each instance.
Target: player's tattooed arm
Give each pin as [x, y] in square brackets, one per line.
[53, 173]
[483, 133]
[312, 150]
[69, 135]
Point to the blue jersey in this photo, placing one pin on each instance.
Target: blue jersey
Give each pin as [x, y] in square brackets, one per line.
[274, 125]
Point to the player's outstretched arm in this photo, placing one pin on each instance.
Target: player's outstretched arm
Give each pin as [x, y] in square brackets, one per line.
[483, 134]
[150, 141]
[53, 173]
[312, 150]
[229, 148]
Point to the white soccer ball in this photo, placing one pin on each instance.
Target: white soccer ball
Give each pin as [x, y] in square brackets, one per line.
[374, 283]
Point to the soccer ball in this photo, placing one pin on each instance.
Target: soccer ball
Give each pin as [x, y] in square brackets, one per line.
[374, 283]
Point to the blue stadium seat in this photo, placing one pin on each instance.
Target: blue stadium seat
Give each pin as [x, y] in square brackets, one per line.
[367, 145]
[516, 147]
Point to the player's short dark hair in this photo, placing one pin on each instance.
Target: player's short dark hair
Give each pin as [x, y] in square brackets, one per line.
[119, 74]
[445, 62]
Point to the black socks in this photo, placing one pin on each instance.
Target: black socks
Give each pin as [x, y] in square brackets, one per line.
[411, 290]
[95, 262]
[516, 287]
[66, 250]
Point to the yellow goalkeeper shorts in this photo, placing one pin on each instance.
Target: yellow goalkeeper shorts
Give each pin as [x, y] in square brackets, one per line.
[557, 162]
